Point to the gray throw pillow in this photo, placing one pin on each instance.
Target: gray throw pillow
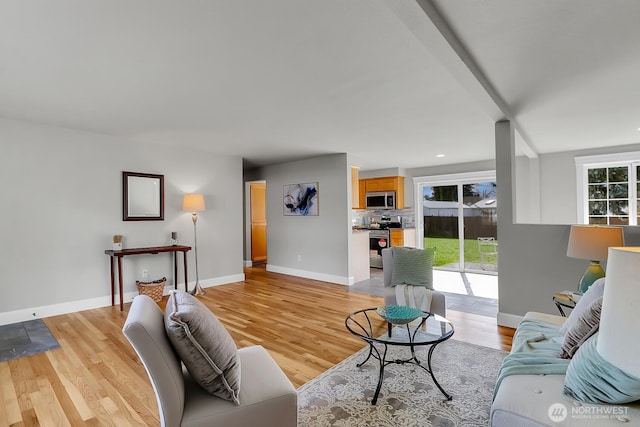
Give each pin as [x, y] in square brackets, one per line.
[585, 326]
[594, 292]
[204, 345]
[413, 266]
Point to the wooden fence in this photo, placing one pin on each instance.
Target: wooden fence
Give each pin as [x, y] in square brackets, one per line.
[447, 226]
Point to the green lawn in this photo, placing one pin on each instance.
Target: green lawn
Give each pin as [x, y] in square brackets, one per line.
[447, 251]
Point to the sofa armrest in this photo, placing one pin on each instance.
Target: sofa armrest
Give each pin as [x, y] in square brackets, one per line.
[544, 317]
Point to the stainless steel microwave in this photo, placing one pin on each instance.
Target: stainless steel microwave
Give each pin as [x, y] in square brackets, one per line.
[381, 200]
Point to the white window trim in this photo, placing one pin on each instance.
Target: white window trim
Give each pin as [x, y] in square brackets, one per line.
[584, 163]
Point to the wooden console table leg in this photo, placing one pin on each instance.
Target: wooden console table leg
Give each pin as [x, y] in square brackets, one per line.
[186, 281]
[175, 270]
[120, 282]
[113, 285]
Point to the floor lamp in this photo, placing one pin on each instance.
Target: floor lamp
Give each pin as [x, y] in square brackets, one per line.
[194, 203]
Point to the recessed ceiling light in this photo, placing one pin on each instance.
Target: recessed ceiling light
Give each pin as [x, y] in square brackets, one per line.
[442, 155]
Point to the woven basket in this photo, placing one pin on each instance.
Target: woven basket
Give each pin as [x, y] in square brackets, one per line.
[152, 289]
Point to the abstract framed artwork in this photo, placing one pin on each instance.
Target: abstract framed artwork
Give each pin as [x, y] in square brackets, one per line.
[300, 199]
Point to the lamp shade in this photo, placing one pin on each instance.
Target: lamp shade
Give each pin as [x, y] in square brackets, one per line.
[193, 202]
[592, 242]
[620, 315]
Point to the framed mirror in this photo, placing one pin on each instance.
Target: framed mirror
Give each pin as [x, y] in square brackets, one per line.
[142, 197]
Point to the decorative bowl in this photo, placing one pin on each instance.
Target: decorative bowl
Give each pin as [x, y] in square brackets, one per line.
[398, 314]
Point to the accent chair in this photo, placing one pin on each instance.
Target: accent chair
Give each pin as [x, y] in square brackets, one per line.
[267, 397]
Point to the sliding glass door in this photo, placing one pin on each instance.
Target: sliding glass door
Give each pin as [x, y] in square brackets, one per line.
[441, 228]
[480, 225]
[458, 216]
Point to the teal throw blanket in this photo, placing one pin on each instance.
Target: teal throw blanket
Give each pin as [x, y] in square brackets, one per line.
[533, 352]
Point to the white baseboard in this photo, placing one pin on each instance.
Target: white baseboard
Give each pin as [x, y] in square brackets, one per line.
[508, 320]
[62, 308]
[104, 301]
[248, 263]
[309, 274]
[216, 281]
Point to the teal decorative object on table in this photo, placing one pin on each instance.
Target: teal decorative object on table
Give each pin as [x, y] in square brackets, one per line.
[398, 314]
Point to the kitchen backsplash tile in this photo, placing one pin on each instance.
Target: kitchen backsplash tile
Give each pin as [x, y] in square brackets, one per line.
[360, 217]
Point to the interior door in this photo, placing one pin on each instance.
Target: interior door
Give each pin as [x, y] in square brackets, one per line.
[258, 222]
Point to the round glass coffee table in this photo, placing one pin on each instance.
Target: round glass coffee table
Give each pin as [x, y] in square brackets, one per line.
[413, 328]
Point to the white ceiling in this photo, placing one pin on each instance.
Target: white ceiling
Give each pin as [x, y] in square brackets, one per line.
[384, 80]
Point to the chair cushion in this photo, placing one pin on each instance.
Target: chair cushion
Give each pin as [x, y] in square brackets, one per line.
[586, 325]
[268, 399]
[413, 266]
[204, 345]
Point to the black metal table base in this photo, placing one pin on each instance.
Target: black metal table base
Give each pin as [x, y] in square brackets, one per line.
[373, 351]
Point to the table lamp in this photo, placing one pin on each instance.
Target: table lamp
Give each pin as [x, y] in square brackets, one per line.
[592, 242]
[194, 203]
[621, 310]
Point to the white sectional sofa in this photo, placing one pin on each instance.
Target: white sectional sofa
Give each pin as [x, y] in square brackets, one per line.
[537, 399]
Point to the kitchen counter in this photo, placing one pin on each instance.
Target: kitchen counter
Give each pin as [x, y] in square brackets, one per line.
[359, 255]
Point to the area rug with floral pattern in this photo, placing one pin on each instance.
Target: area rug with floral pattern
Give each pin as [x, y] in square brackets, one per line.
[342, 395]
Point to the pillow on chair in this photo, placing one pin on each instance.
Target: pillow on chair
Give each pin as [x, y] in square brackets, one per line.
[204, 345]
[413, 266]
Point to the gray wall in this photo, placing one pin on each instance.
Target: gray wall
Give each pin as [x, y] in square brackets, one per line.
[442, 170]
[558, 203]
[527, 190]
[381, 172]
[62, 202]
[533, 260]
[310, 246]
[452, 169]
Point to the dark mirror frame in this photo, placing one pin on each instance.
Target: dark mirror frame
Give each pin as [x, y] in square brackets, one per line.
[129, 194]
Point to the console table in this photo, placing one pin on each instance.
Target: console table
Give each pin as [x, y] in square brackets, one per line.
[141, 251]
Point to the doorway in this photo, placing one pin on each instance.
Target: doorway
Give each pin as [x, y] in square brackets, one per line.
[458, 216]
[258, 219]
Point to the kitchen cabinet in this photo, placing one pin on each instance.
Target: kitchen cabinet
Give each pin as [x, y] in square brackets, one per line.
[397, 238]
[403, 237]
[386, 183]
[389, 183]
[363, 192]
[355, 187]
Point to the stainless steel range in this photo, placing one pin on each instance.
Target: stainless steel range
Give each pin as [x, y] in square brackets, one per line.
[380, 237]
[378, 240]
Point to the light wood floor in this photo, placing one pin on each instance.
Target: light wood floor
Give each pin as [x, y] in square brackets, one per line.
[95, 378]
